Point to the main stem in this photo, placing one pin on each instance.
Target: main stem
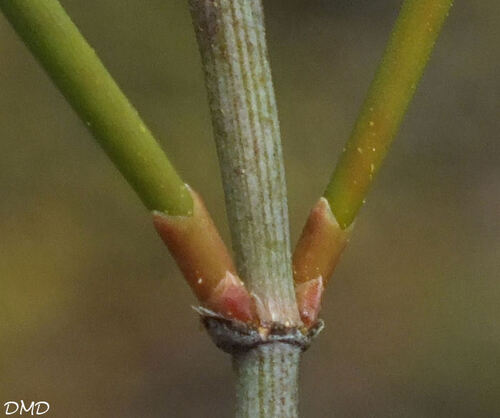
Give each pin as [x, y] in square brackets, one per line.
[231, 37]
[232, 43]
[267, 381]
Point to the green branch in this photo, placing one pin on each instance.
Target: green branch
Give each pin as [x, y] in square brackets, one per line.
[76, 70]
[403, 63]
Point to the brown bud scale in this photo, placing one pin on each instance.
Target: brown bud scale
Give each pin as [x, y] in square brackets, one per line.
[205, 261]
[315, 258]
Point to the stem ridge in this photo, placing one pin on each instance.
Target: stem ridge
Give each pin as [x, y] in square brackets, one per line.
[231, 38]
[267, 381]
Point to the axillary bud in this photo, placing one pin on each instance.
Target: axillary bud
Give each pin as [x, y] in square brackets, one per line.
[315, 258]
[205, 261]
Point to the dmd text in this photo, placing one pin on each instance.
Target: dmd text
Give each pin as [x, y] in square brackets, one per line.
[34, 408]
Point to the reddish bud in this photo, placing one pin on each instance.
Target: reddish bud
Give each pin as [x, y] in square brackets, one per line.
[205, 261]
[309, 300]
[231, 299]
[316, 256]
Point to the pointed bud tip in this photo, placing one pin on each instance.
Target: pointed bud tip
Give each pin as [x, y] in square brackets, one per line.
[231, 299]
[309, 296]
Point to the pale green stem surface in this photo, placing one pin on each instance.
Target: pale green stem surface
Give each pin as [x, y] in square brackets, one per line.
[75, 68]
[231, 37]
[404, 60]
[267, 384]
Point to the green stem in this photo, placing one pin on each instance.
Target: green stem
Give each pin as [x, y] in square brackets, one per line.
[267, 384]
[76, 70]
[231, 38]
[402, 65]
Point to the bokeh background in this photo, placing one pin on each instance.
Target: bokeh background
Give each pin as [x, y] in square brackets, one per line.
[94, 315]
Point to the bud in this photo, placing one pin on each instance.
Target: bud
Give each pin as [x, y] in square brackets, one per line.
[309, 296]
[205, 261]
[231, 299]
[315, 258]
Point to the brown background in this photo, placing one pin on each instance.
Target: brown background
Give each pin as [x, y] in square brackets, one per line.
[94, 316]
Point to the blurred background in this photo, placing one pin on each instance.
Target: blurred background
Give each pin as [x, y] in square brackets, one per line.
[94, 315]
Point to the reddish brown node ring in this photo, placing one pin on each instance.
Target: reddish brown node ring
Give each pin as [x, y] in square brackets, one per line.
[315, 258]
[205, 262]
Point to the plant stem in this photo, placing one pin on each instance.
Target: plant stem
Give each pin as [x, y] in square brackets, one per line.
[267, 381]
[402, 65]
[76, 70]
[231, 37]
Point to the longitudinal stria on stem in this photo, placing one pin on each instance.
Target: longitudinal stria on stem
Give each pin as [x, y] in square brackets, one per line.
[231, 37]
